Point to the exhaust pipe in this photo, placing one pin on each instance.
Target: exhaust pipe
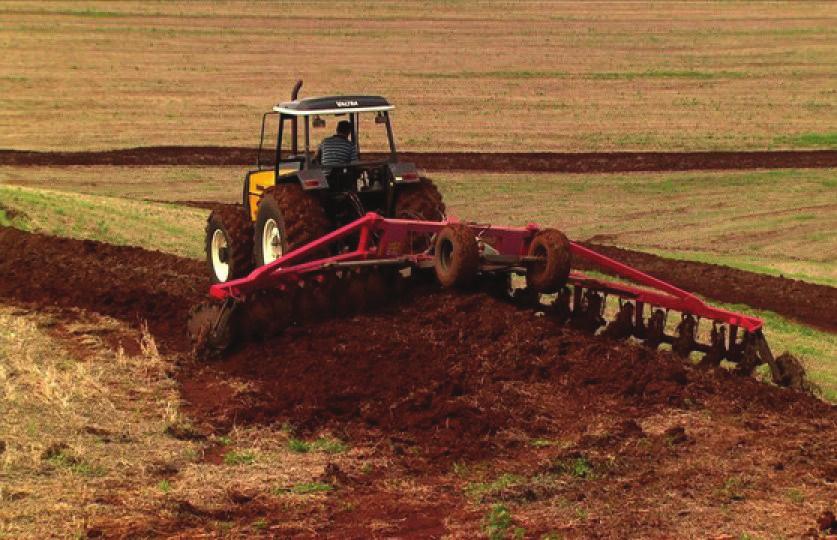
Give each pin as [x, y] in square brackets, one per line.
[294, 95]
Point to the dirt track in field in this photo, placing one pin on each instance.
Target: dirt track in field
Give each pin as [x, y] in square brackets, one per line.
[441, 161]
[441, 378]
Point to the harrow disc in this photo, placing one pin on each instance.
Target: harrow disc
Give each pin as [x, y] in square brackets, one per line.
[354, 290]
[266, 314]
[792, 373]
[622, 327]
[379, 286]
[656, 329]
[561, 306]
[684, 343]
[717, 347]
[312, 301]
[210, 328]
[749, 359]
[587, 313]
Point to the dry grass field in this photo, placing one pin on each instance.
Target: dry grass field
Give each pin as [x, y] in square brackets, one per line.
[92, 431]
[467, 76]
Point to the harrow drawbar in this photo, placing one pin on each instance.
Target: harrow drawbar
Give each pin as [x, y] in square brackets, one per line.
[369, 261]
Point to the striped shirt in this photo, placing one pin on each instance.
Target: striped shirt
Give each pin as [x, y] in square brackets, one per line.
[336, 150]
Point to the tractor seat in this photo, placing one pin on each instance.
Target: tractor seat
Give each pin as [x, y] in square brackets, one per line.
[343, 178]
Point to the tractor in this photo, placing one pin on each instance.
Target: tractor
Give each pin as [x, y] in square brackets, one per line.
[292, 200]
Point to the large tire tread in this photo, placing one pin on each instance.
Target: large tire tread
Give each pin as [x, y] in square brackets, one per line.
[464, 259]
[421, 200]
[304, 216]
[233, 220]
[551, 275]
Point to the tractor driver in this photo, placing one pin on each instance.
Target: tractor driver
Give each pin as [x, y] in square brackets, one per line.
[337, 150]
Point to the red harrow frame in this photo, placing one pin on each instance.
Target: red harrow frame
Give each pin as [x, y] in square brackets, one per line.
[459, 252]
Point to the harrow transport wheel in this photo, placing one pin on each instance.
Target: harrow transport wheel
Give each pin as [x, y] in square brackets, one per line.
[457, 256]
[421, 201]
[288, 218]
[229, 243]
[550, 275]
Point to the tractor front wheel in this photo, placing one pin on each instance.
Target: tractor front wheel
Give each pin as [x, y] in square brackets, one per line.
[288, 218]
[229, 243]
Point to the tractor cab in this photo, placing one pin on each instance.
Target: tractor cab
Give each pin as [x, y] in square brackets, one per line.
[355, 186]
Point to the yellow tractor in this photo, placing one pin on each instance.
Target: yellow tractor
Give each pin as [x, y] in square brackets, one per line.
[292, 199]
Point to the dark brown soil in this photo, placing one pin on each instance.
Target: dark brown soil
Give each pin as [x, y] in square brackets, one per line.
[207, 205]
[444, 372]
[444, 377]
[809, 303]
[466, 161]
[126, 283]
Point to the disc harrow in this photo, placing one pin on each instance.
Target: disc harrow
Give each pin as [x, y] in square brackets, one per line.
[371, 261]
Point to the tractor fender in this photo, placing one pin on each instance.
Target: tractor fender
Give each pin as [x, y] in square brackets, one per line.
[311, 179]
[404, 173]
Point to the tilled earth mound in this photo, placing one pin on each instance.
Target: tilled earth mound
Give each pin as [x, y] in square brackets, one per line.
[123, 282]
[459, 375]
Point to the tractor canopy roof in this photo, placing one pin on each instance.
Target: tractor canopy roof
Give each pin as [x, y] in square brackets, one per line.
[333, 105]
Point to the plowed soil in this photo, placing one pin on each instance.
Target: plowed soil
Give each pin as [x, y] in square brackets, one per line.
[126, 283]
[441, 161]
[445, 370]
[441, 378]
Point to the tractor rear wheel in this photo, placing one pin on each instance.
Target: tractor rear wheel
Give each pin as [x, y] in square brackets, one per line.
[550, 274]
[421, 201]
[288, 218]
[229, 243]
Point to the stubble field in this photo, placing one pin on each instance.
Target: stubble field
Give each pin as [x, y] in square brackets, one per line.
[519, 76]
